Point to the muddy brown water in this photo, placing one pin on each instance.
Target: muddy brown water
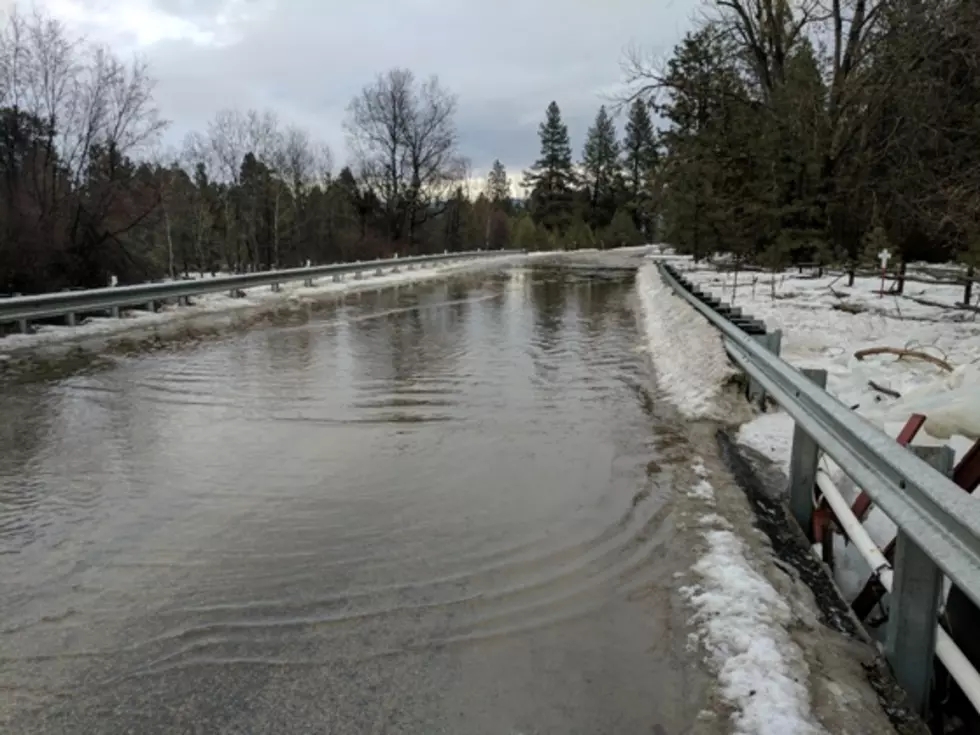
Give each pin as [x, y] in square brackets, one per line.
[437, 509]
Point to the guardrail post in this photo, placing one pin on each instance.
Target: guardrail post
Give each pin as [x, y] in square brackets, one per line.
[358, 275]
[775, 341]
[379, 271]
[803, 466]
[771, 342]
[337, 278]
[70, 319]
[23, 326]
[114, 311]
[914, 604]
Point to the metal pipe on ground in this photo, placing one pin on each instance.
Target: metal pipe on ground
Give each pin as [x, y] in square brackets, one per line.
[948, 652]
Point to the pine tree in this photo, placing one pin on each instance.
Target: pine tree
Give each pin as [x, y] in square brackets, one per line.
[600, 166]
[579, 235]
[525, 235]
[621, 232]
[642, 161]
[498, 186]
[551, 178]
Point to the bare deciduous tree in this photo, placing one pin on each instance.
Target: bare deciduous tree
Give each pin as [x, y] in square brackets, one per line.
[403, 138]
[74, 118]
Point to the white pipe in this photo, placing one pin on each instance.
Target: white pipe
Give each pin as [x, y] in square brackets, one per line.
[956, 663]
[854, 530]
[959, 667]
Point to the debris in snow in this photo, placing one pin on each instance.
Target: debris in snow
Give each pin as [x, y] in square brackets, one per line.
[861, 354]
[816, 334]
[883, 389]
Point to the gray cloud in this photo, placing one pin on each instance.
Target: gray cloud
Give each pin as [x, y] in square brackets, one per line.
[306, 58]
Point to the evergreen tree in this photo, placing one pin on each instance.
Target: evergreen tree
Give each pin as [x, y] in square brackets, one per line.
[498, 186]
[600, 166]
[621, 232]
[641, 165]
[707, 201]
[579, 235]
[551, 179]
[525, 235]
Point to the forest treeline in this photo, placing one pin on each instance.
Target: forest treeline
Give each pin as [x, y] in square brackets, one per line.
[822, 130]
[777, 131]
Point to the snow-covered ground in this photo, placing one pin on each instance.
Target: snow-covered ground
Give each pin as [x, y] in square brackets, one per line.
[221, 304]
[740, 618]
[743, 621]
[692, 367]
[824, 323]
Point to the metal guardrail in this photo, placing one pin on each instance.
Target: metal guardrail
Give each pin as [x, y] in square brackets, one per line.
[939, 524]
[23, 309]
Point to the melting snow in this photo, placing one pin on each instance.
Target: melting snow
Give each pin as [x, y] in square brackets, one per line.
[818, 335]
[687, 352]
[742, 623]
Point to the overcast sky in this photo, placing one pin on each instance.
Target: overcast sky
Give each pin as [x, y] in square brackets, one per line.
[505, 59]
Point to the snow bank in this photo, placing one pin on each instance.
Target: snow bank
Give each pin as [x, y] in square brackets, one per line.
[258, 298]
[687, 352]
[817, 333]
[742, 622]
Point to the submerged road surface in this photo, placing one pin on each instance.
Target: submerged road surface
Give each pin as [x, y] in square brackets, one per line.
[441, 509]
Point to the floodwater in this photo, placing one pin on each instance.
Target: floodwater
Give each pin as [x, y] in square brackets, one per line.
[436, 509]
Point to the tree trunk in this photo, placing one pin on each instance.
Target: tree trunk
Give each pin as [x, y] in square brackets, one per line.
[170, 243]
[968, 287]
[275, 229]
[735, 280]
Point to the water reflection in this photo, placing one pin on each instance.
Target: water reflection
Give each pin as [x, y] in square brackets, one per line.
[419, 506]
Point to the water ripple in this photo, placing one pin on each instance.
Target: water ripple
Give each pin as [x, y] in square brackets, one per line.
[414, 472]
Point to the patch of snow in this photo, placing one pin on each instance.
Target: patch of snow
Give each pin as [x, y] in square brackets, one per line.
[715, 520]
[687, 352]
[699, 469]
[742, 622]
[702, 491]
[770, 434]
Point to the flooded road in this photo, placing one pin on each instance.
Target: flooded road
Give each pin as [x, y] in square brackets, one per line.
[439, 509]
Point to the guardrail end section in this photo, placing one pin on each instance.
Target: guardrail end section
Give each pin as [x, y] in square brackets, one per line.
[914, 604]
[803, 466]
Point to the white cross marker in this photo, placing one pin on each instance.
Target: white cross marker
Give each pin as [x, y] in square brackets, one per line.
[883, 256]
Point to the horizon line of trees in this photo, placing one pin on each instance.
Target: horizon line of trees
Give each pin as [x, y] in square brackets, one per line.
[794, 131]
[776, 132]
[86, 192]
[822, 132]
